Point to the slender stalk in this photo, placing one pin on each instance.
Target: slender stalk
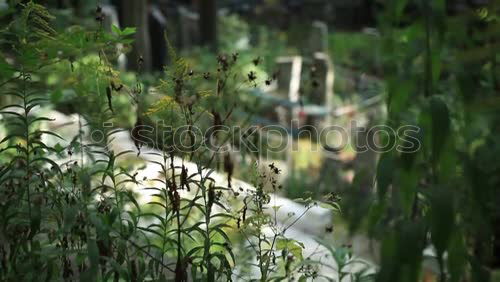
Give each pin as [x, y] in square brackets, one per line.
[25, 78]
[207, 255]
[166, 208]
[179, 269]
[428, 55]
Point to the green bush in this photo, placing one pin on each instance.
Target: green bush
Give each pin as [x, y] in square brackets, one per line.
[71, 212]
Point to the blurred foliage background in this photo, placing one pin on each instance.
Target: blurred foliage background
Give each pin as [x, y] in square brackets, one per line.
[434, 65]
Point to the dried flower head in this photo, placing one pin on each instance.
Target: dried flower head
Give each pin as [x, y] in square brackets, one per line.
[256, 61]
[252, 76]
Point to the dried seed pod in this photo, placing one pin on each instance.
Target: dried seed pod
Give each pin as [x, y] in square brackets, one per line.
[222, 61]
[116, 88]
[176, 201]
[235, 56]
[108, 95]
[228, 168]
[211, 196]
[217, 121]
[274, 169]
[244, 212]
[184, 182]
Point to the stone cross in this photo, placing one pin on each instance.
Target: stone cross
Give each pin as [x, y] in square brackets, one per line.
[321, 94]
[288, 80]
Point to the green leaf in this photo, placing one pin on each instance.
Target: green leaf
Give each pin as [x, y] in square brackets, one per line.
[401, 260]
[36, 219]
[441, 217]
[440, 125]
[385, 170]
[93, 255]
[6, 70]
[46, 132]
[293, 246]
[58, 147]
[436, 59]
[56, 96]
[479, 272]
[303, 278]
[399, 92]
[116, 29]
[128, 31]
[457, 257]
[70, 213]
[334, 206]
[218, 229]
[10, 136]
[194, 250]
[47, 160]
[398, 7]
[131, 197]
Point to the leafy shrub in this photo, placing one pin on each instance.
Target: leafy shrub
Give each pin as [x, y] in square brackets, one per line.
[70, 212]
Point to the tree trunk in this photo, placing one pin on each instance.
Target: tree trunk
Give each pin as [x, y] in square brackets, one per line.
[135, 14]
[208, 23]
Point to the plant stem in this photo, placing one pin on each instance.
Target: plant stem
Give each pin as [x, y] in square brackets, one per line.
[428, 58]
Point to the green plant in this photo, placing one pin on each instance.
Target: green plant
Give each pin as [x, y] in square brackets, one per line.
[355, 50]
[70, 210]
[430, 197]
[347, 265]
[275, 253]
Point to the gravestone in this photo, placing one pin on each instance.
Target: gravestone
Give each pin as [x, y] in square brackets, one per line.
[321, 94]
[318, 37]
[157, 29]
[288, 80]
[135, 14]
[189, 28]
[323, 79]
